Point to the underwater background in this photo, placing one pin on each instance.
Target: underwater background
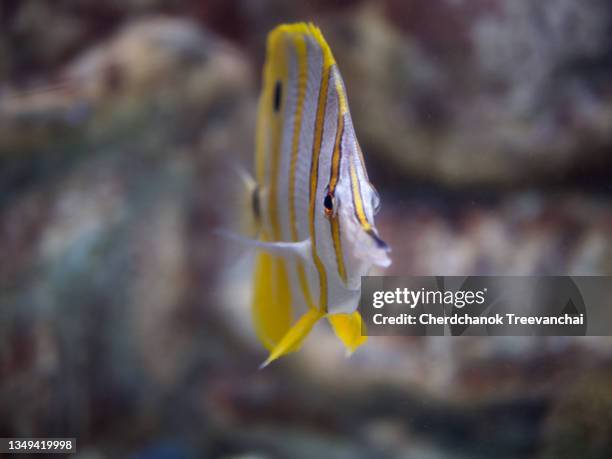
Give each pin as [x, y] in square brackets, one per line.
[486, 126]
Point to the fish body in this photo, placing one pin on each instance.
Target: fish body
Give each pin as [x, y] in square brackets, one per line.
[313, 201]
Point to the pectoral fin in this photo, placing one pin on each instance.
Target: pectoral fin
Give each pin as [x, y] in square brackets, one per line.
[348, 328]
[295, 336]
[282, 249]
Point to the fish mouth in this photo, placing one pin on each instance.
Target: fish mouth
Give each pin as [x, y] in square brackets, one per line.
[374, 249]
[366, 246]
[380, 244]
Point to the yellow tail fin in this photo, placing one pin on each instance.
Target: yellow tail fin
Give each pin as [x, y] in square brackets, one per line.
[348, 328]
[272, 311]
[295, 336]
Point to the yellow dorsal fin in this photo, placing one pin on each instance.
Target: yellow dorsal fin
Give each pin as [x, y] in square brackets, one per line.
[301, 28]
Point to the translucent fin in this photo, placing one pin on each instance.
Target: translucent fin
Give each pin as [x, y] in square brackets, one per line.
[272, 311]
[295, 336]
[348, 328]
[247, 200]
[283, 249]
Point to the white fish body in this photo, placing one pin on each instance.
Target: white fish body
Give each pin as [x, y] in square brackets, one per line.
[314, 203]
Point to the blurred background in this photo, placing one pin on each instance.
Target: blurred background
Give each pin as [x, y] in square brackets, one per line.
[487, 128]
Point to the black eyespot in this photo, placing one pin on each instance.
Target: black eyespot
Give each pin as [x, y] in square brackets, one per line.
[278, 94]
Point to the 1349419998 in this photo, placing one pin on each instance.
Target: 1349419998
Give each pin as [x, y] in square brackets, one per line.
[37, 445]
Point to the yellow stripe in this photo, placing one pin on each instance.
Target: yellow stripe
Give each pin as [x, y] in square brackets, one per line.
[314, 171]
[357, 201]
[300, 46]
[261, 139]
[341, 94]
[361, 160]
[335, 230]
[335, 166]
[328, 63]
[333, 182]
[276, 69]
[301, 49]
[335, 172]
[273, 198]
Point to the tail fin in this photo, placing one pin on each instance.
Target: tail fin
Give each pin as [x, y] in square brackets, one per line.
[348, 327]
[295, 336]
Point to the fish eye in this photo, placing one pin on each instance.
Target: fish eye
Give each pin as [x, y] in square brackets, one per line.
[329, 204]
[375, 201]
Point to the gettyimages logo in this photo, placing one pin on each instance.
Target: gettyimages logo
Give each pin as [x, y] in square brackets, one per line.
[477, 305]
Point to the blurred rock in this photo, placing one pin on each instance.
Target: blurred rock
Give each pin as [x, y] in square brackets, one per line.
[580, 423]
[125, 321]
[152, 68]
[109, 267]
[479, 92]
[526, 233]
[43, 35]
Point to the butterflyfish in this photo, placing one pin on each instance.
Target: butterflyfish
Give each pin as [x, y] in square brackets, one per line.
[311, 198]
